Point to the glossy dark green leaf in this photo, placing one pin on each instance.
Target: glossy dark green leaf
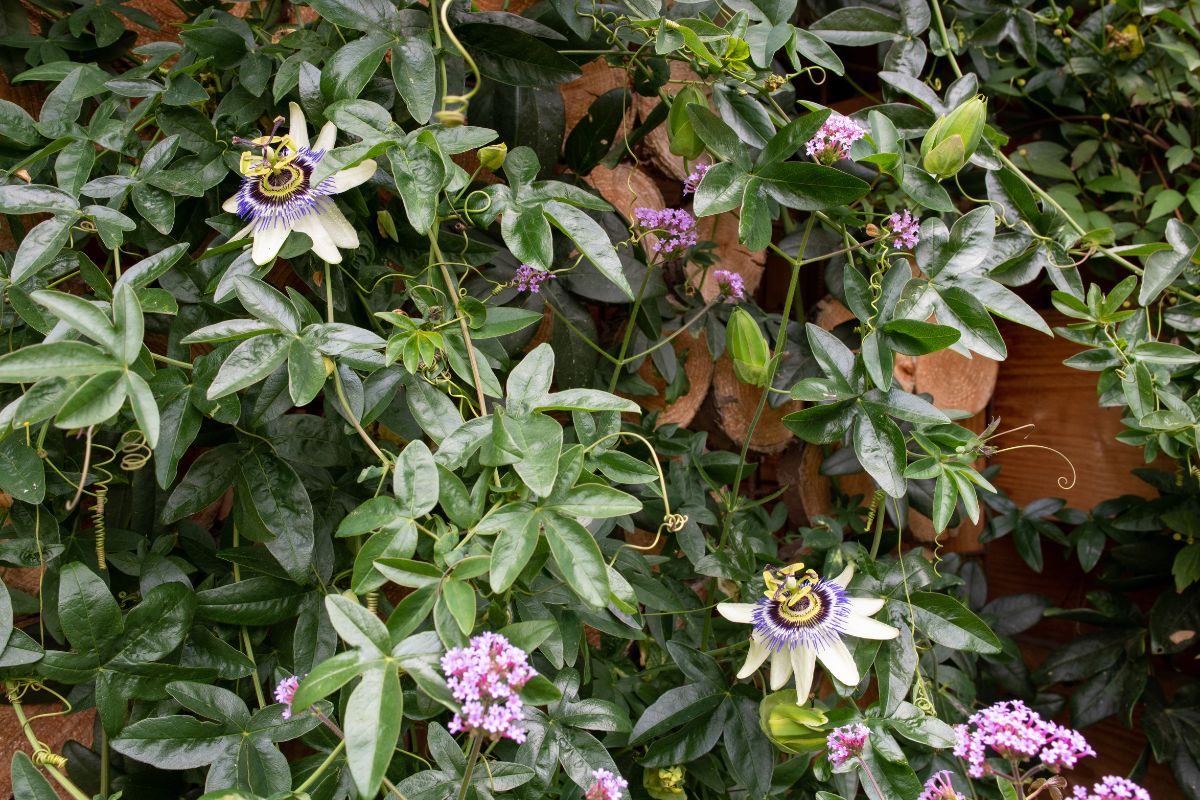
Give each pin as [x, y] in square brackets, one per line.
[518, 59]
[22, 473]
[578, 558]
[947, 622]
[810, 187]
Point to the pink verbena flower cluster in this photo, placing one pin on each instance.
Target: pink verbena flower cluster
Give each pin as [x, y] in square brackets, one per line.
[285, 692]
[1112, 787]
[674, 228]
[608, 786]
[905, 229]
[1013, 730]
[834, 140]
[731, 286]
[486, 678]
[693, 180]
[530, 279]
[847, 742]
[939, 787]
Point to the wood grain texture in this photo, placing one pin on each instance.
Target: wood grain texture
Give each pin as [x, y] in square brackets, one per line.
[1033, 386]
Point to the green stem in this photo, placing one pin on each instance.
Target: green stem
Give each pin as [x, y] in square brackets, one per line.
[637, 306]
[472, 759]
[312, 779]
[1050, 201]
[237, 578]
[63, 780]
[945, 37]
[773, 365]
[103, 763]
[452, 288]
[173, 362]
[674, 333]
[345, 404]
[879, 514]
[578, 333]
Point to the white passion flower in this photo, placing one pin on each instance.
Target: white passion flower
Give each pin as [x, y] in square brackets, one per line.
[801, 619]
[277, 195]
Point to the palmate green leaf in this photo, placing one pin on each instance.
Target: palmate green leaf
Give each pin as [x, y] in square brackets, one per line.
[538, 464]
[251, 601]
[40, 246]
[250, 362]
[856, 26]
[207, 479]
[720, 190]
[27, 781]
[420, 175]
[578, 558]
[22, 473]
[89, 615]
[512, 550]
[329, 676]
[373, 718]
[515, 58]
[178, 742]
[722, 140]
[85, 317]
[97, 400]
[357, 626]
[810, 187]
[591, 240]
[676, 707]
[947, 622]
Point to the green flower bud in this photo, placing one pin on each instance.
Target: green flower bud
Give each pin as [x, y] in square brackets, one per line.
[954, 137]
[665, 783]
[493, 156]
[386, 225]
[791, 727]
[747, 347]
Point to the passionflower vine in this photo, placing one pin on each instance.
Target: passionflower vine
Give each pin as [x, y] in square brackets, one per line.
[801, 619]
[277, 195]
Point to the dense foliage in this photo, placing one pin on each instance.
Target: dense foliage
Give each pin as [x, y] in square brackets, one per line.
[325, 513]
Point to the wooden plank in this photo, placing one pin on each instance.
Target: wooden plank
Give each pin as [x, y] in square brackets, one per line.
[1034, 387]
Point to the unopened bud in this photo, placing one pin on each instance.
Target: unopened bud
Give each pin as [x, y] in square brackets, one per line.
[492, 156]
[386, 225]
[953, 138]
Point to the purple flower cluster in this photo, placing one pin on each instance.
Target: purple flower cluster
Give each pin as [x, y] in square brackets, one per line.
[675, 228]
[607, 786]
[939, 787]
[693, 180]
[731, 286]
[834, 140]
[285, 692]
[530, 279]
[486, 678]
[847, 742]
[1112, 787]
[905, 228]
[1013, 730]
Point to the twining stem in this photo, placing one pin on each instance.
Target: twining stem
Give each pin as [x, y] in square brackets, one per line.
[1050, 201]
[476, 746]
[167, 360]
[324, 765]
[637, 306]
[673, 334]
[258, 690]
[452, 288]
[772, 366]
[941, 26]
[338, 389]
[63, 780]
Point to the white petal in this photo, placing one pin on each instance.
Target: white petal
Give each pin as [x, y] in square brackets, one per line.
[230, 205]
[845, 576]
[267, 242]
[242, 233]
[326, 137]
[322, 243]
[804, 664]
[297, 127]
[867, 628]
[354, 176]
[338, 227]
[754, 659]
[736, 612]
[781, 669]
[865, 606]
[837, 659]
